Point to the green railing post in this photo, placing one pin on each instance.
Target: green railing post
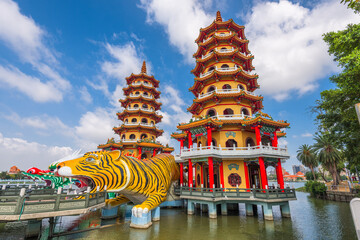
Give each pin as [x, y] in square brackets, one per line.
[58, 197]
[20, 201]
[87, 197]
[97, 194]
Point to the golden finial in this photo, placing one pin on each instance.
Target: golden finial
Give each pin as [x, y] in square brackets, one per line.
[218, 17]
[143, 68]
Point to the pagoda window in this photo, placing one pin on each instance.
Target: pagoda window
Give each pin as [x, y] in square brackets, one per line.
[123, 136]
[153, 138]
[143, 136]
[145, 106]
[136, 105]
[225, 66]
[245, 111]
[231, 143]
[228, 111]
[152, 122]
[240, 86]
[226, 87]
[146, 82]
[137, 93]
[211, 69]
[151, 108]
[199, 144]
[145, 94]
[250, 142]
[211, 113]
[134, 120]
[126, 120]
[132, 136]
[211, 88]
[143, 156]
[213, 142]
[144, 120]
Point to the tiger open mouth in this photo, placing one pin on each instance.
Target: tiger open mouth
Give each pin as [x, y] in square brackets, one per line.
[85, 182]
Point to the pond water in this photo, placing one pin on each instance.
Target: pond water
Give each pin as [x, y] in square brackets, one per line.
[310, 219]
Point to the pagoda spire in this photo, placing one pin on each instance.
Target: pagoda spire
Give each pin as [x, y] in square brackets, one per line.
[143, 68]
[218, 17]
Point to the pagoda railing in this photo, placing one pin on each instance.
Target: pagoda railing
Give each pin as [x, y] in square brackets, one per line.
[137, 108]
[224, 91]
[218, 50]
[223, 34]
[141, 83]
[235, 152]
[138, 123]
[236, 193]
[231, 117]
[129, 140]
[229, 69]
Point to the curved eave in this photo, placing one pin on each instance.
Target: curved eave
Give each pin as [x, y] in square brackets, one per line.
[149, 144]
[138, 113]
[262, 120]
[152, 90]
[216, 25]
[280, 134]
[228, 95]
[220, 55]
[108, 145]
[178, 135]
[233, 39]
[206, 121]
[168, 149]
[158, 132]
[141, 99]
[133, 77]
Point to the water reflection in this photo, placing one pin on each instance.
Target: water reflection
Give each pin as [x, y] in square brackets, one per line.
[311, 219]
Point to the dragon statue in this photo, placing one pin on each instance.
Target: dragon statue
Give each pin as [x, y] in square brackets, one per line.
[144, 182]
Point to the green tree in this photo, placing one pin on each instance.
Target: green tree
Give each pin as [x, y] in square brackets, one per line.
[307, 156]
[328, 155]
[335, 110]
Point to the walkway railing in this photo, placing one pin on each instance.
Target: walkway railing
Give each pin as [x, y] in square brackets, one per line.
[235, 152]
[231, 193]
[225, 91]
[47, 200]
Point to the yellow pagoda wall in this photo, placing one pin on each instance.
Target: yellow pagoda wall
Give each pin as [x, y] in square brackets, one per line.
[137, 134]
[197, 172]
[224, 104]
[240, 172]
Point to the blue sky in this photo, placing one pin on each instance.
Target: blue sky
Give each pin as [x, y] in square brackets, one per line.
[63, 64]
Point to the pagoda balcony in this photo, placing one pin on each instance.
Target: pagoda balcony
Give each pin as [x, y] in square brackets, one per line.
[229, 69]
[141, 83]
[129, 140]
[235, 152]
[225, 91]
[144, 96]
[138, 108]
[220, 35]
[140, 124]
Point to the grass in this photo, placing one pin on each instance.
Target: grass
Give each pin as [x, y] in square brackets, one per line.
[301, 189]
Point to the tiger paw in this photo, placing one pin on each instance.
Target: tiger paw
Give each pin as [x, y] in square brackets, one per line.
[138, 211]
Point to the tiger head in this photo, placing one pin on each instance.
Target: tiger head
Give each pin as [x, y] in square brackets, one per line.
[97, 169]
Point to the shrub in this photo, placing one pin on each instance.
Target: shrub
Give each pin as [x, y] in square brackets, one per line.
[315, 188]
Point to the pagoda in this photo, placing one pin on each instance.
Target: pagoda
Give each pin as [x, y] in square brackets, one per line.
[229, 142]
[138, 131]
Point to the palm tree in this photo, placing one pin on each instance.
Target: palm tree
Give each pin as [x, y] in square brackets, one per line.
[307, 156]
[328, 155]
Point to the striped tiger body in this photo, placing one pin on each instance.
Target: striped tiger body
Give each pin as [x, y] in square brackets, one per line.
[144, 182]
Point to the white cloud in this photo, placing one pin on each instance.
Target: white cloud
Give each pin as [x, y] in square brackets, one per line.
[21, 34]
[24, 154]
[282, 142]
[182, 21]
[95, 128]
[38, 91]
[306, 135]
[85, 95]
[286, 39]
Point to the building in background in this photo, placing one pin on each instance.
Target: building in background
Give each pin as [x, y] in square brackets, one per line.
[138, 131]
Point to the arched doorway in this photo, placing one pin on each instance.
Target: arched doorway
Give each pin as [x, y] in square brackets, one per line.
[231, 143]
[228, 111]
[211, 113]
[254, 175]
[249, 142]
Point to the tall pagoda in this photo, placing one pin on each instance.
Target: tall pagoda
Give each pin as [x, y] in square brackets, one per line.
[229, 142]
[138, 131]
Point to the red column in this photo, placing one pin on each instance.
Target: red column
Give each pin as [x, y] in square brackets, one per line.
[190, 174]
[154, 152]
[246, 175]
[139, 150]
[275, 140]
[181, 174]
[263, 173]
[209, 136]
[190, 170]
[222, 175]
[258, 135]
[279, 176]
[211, 172]
[202, 175]
[181, 145]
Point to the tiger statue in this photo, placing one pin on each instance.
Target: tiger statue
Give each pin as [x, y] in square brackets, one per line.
[144, 182]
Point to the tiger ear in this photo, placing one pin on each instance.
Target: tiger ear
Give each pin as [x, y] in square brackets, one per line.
[115, 154]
